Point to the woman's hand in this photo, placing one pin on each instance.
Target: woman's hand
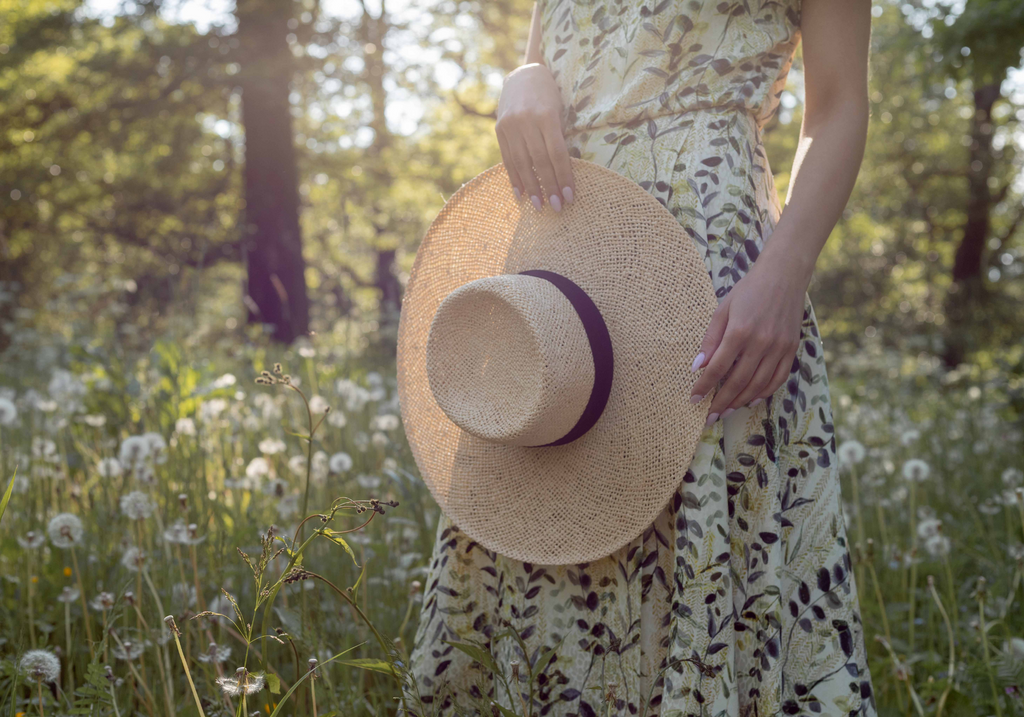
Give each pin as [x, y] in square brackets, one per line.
[757, 326]
[529, 130]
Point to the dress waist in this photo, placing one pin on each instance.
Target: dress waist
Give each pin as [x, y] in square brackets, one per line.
[619, 118]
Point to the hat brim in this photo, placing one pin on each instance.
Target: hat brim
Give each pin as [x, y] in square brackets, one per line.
[581, 501]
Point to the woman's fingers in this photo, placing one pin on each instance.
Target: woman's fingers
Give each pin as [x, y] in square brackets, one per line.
[506, 157]
[523, 164]
[558, 151]
[537, 144]
[735, 382]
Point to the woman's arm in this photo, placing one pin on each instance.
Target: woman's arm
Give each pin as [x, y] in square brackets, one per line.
[757, 325]
[533, 48]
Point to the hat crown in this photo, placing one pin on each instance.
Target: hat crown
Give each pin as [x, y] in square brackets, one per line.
[509, 361]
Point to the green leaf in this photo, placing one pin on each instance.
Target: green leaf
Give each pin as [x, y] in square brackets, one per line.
[370, 663]
[7, 495]
[505, 712]
[305, 676]
[477, 654]
[338, 540]
[274, 682]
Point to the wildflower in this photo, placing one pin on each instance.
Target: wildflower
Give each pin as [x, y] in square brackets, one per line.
[276, 488]
[928, 528]
[183, 534]
[185, 427]
[272, 446]
[40, 666]
[134, 450]
[244, 682]
[102, 602]
[184, 594]
[215, 653]
[909, 436]
[916, 470]
[129, 651]
[258, 467]
[137, 505]
[225, 381]
[69, 595]
[318, 405]
[32, 540]
[989, 507]
[65, 530]
[384, 422]
[109, 468]
[133, 559]
[368, 482]
[378, 439]
[8, 412]
[938, 546]
[337, 419]
[340, 463]
[1013, 477]
[157, 447]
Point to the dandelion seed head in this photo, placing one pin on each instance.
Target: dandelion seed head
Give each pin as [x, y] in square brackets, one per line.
[385, 422]
[129, 651]
[850, 452]
[40, 666]
[340, 463]
[157, 446]
[908, 437]
[215, 654]
[378, 439]
[272, 446]
[137, 505]
[318, 405]
[916, 469]
[337, 419]
[102, 602]
[32, 540]
[938, 546]
[8, 412]
[258, 468]
[68, 595]
[1012, 477]
[65, 530]
[243, 682]
[185, 427]
[134, 450]
[133, 559]
[109, 468]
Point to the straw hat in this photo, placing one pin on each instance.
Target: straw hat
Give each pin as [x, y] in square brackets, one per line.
[544, 364]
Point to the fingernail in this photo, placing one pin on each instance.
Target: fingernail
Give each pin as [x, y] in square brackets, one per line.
[711, 419]
[555, 202]
[697, 362]
[755, 402]
[727, 412]
[519, 195]
[696, 399]
[536, 201]
[567, 193]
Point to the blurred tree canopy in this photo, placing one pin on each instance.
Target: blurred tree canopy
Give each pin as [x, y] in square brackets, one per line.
[252, 171]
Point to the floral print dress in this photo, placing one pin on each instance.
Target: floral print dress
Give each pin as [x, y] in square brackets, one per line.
[739, 599]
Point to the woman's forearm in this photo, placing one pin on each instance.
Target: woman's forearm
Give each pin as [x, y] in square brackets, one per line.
[533, 48]
[825, 168]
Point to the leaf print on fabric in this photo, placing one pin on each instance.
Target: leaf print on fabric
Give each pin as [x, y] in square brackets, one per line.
[739, 598]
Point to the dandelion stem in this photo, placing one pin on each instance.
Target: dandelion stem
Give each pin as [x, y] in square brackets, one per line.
[165, 662]
[952, 647]
[85, 607]
[184, 663]
[984, 651]
[137, 676]
[39, 684]
[67, 633]
[31, 607]
[912, 587]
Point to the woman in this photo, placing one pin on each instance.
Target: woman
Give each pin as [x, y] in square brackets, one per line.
[744, 604]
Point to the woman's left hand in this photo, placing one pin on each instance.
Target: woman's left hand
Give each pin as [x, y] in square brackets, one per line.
[757, 326]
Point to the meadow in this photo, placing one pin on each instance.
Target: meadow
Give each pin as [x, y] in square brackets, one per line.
[250, 535]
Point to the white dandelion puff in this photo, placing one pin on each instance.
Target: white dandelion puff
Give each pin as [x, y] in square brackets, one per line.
[850, 452]
[318, 405]
[32, 540]
[272, 446]
[384, 422]
[182, 534]
[129, 651]
[909, 436]
[109, 468]
[378, 439]
[938, 546]
[244, 682]
[40, 666]
[1012, 477]
[258, 468]
[215, 653]
[367, 481]
[134, 450]
[137, 505]
[8, 412]
[337, 419]
[276, 488]
[183, 594]
[185, 427]
[133, 559]
[297, 465]
[916, 470]
[340, 463]
[68, 595]
[157, 446]
[102, 602]
[65, 530]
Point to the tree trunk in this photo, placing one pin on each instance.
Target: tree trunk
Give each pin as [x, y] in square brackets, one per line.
[967, 292]
[272, 239]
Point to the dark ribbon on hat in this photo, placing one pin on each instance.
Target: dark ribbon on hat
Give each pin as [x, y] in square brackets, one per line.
[600, 349]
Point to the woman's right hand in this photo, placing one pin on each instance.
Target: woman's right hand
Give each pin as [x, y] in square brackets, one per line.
[529, 130]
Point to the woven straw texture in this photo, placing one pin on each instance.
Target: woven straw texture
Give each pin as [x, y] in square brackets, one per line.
[581, 501]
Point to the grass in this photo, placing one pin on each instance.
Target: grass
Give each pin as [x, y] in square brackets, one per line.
[251, 541]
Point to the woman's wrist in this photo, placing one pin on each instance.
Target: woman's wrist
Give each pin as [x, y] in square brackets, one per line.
[524, 66]
[781, 255]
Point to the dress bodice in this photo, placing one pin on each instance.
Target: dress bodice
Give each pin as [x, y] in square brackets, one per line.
[622, 62]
